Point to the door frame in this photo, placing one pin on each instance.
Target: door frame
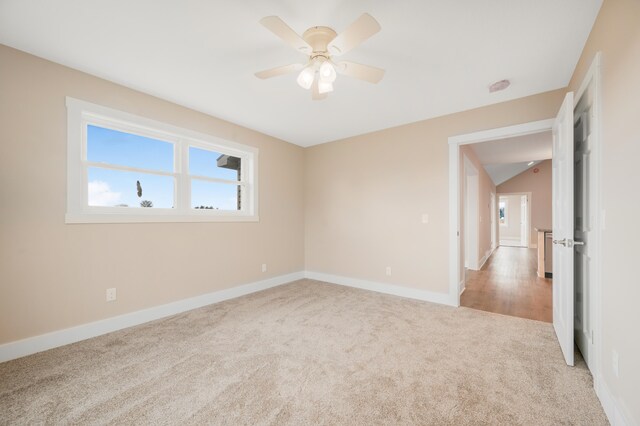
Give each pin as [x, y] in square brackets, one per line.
[591, 79]
[456, 269]
[525, 225]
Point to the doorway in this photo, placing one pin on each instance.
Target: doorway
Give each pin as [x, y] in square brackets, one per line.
[514, 211]
[587, 318]
[506, 280]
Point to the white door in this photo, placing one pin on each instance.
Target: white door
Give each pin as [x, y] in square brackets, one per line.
[493, 220]
[583, 228]
[562, 164]
[524, 222]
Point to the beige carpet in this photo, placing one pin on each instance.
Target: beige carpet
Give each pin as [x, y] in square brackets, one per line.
[307, 353]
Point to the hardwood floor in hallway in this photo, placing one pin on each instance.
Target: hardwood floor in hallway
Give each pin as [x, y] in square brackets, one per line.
[508, 284]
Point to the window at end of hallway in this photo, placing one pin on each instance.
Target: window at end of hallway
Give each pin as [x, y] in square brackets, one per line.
[502, 211]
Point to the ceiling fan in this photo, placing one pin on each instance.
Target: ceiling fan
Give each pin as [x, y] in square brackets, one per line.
[321, 44]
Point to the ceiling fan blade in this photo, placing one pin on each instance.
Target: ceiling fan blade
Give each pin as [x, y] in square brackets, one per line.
[284, 32]
[274, 72]
[363, 28]
[315, 92]
[359, 71]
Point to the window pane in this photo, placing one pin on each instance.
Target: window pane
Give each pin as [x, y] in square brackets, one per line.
[125, 149]
[213, 164]
[214, 195]
[115, 188]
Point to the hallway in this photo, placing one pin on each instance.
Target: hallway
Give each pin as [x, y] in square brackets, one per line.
[507, 284]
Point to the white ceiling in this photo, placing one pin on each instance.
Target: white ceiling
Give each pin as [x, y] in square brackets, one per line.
[440, 56]
[537, 146]
[505, 158]
[501, 173]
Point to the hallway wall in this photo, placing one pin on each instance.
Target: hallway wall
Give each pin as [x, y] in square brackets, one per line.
[486, 187]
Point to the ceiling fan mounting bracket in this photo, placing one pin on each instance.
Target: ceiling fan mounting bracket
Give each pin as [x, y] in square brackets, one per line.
[319, 38]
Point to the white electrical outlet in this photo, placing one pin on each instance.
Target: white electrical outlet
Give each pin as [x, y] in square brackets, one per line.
[111, 294]
[614, 362]
[264, 267]
[425, 218]
[389, 270]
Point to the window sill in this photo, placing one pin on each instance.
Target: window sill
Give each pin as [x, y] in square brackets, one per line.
[129, 218]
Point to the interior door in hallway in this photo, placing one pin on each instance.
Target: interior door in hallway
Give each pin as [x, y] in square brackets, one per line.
[563, 233]
[494, 208]
[524, 221]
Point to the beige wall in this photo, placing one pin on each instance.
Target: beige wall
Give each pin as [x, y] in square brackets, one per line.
[616, 34]
[486, 187]
[365, 196]
[539, 184]
[54, 276]
[363, 199]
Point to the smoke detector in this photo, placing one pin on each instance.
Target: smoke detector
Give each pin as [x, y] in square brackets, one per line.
[499, 85]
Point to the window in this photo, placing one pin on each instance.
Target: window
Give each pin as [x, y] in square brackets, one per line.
[502, 211]
[124, 168]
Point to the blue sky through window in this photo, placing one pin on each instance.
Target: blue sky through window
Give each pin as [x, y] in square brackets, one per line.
[118, 188]
[108, 187]
[222, 196]
[125, 149]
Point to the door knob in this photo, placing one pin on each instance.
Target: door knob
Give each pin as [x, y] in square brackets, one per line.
[567, 242]
[562, 242]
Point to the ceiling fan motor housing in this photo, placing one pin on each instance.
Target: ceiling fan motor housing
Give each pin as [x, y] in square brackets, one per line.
[319, 38]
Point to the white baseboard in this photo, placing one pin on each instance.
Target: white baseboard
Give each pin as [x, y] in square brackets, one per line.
[487, 255]
[396, 290]
[31, 345]
[483, 260]
[462, 287]
[612, 407]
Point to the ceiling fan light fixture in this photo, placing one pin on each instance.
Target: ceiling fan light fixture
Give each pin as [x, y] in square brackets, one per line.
[305, 78]
[324, 86]
[327, 72]
[320, 43]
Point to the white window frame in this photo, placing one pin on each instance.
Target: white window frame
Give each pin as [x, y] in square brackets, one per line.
[80, 114]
